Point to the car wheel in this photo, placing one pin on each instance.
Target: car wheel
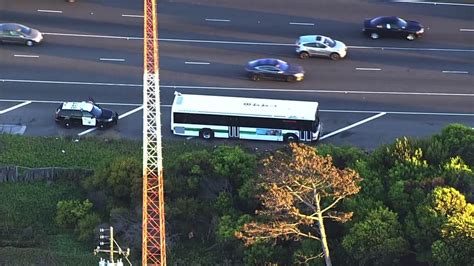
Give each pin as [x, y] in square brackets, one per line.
[29, 43]
[290, 79]
[411, 37]
[206, 134]
[101, 126]
[304, 55]
[374, 36]
[254, 77]
[335, 56]
[67, 123]
[290, 138]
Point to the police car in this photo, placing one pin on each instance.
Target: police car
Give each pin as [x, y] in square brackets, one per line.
[88, 113]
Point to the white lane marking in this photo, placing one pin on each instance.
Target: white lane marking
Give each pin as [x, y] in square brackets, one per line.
[253, 43]
[454, 72]
[132, 16]
[217, 20]
[466, 30]
[112, 59]
[431, 3]
[14, 107]
[397, 112]
[301, 23]
[353, 125]
[196, 63]
[368, 69]
[26, 55]
[174, 87]
[120, 117]
[131, 112]
[140, 106]
[92, 36]
[49, 11]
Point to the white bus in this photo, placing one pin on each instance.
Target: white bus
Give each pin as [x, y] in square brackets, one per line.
[244, 118]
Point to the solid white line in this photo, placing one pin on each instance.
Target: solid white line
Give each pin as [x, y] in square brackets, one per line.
[301, 23]
[197, 63]
[174, 87]
[353, 125]
[92, 36]
[120, 117]
[49, 11]
[131, 112]
[368, 68]
[140, 106]
[112, 59]
[132, 16]
[14, 107]
[217, 20]
[466, 30]
[25, 55]
[252, 43]
[431, 3]
[454, 72]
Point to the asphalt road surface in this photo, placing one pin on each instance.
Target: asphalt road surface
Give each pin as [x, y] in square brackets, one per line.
[384, 89]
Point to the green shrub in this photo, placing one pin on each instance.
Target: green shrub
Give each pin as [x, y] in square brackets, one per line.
[69, 212]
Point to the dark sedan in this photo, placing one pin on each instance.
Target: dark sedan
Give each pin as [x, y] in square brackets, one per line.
[276, 69]
[394, 27]
[17, 33]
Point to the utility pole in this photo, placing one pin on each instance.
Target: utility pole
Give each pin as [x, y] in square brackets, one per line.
[108, 239]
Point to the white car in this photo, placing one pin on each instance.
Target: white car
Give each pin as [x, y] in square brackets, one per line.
[318, 45]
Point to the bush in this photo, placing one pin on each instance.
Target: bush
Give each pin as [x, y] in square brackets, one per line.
[69, 212]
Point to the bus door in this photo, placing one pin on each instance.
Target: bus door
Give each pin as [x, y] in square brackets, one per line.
[234, 131]
[305, 135]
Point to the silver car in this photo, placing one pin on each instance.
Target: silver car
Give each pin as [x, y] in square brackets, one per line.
[318, 45]
[17, 33]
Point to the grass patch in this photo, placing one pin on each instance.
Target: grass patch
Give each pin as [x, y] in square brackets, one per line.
[40, 256]
[32, 204]
[63, 152]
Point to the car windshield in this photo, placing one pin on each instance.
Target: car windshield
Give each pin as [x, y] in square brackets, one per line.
[23, 29]
[329, 42]
[96, 111]
[401, 23]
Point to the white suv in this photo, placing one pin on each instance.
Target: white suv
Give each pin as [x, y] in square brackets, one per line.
[318, 45]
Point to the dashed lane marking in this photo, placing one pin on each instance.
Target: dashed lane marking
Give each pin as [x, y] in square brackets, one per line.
[49, 11]
[112, 59]
[14, 107]
[254, 43]
[454, 72]
[217, 20]
[196, 63]
[301, 23]
[471, 30]
[174, 87]
[353, 125]
[132, 16]
[26, 56]
[368, 69]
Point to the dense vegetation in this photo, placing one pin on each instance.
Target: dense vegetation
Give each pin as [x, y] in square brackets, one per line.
[414, 205]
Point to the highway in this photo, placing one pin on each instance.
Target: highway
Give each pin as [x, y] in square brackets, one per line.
[384, 89]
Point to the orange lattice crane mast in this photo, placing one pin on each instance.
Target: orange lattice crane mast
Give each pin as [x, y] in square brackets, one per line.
[153, 224]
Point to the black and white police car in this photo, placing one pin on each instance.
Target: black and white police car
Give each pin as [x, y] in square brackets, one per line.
[88, 113]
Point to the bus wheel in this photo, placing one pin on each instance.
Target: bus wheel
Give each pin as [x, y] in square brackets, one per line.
[290, 138]
[206, 134]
